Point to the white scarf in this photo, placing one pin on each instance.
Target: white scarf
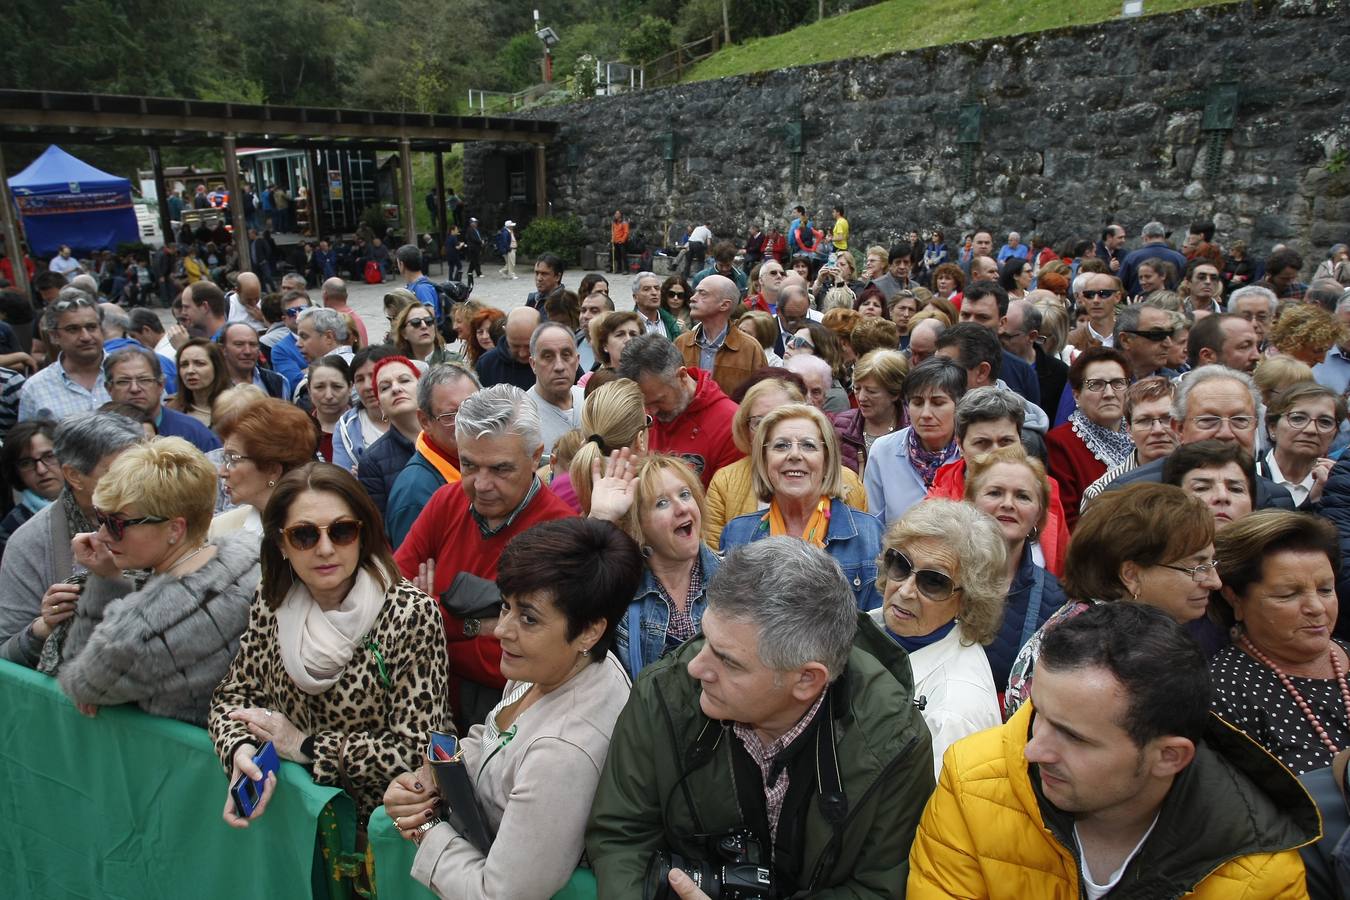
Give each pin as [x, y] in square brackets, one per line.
[316, 645]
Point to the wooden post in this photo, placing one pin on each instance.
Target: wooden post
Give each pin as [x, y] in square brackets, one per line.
[318, 177]
[236, 205]
[540, 182]
[165, 220]
[12, 248]
[442, 224]
[409, 211]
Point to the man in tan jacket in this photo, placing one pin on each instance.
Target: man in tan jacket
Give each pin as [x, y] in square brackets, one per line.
[713, 345]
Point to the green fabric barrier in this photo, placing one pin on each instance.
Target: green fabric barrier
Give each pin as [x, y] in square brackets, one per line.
[393, 857]
[127, 805]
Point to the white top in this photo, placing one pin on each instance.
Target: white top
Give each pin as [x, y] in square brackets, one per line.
[239, 313]
[954, 678]
[554, 421]
[1298, 490]
[1097, 891]
[701, 234]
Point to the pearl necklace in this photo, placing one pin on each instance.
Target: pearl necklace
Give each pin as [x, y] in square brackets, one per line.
[1303, 705]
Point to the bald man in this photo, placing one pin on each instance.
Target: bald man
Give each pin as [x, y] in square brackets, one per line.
[509, 361]
[713, 345]
[334, 293]
[245, 302]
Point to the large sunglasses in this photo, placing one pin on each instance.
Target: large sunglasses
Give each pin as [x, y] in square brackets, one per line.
[420, 323]
[306, 536]
[1155, 335]
[933, 585]
[1100, 294]
[117, 524]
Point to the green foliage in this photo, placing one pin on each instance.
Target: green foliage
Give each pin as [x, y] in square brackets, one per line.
[562, 235]
[599, 40]
[583, 77]
[518, 62]
[1338, 161]
[652, 37]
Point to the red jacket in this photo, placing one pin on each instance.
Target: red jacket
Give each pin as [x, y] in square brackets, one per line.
[446, 532]
[950, 484]
[1074, 466]
[701, 436]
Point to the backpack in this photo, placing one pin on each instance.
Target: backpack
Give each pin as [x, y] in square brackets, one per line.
[372, 273]
[451, 292]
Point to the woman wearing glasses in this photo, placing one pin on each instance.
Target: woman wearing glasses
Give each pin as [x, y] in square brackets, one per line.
[943, 580]
[418, 338]
[162, 637]
[261, 444]
[796, 472]
[1302, 421]
[1094, 438]
[1145, 543]
[30, 468]
[675, 293]
[1282, 680]
[342, 666]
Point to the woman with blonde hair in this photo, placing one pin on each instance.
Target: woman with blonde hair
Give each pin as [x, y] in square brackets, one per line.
[731, 491]
[417, 337]
[878, 380]
[763, 328]
[1276, 373]
[1306, 332]
[1054, 326]
[614, 417]
[161, 641]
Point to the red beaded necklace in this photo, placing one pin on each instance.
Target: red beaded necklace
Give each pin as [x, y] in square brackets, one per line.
[1298, 698]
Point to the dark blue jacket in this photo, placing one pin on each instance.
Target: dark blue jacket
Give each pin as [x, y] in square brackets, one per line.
[1335, 506]
[172, 423]
[498, 366]
[410, 491]
[1129, 269]
[1019, 622]
[273, 382]
[381, 464]
[1269, 495]
[325, 261]
[289, 361]
[1021, 377]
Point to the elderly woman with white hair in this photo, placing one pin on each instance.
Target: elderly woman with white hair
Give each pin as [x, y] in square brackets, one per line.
[943, 574]
[795, 469]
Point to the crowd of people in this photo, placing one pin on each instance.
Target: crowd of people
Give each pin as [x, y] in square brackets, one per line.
[848, 570]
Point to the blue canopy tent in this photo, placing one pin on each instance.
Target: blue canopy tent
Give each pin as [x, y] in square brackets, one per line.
[66, 201]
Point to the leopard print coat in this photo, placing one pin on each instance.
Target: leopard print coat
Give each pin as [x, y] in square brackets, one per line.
[371, 725]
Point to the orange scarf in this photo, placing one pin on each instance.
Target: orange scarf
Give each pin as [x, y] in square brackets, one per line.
[437, 459]
[816, 526]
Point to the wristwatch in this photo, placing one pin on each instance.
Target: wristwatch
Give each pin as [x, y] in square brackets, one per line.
[472, 627]
[421, 830]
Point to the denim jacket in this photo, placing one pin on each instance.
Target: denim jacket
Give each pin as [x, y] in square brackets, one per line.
[649, 616]
[853, 540]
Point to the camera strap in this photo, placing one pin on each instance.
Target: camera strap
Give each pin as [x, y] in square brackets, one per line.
[832, 799]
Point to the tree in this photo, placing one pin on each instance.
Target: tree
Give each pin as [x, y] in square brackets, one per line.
[650, 38]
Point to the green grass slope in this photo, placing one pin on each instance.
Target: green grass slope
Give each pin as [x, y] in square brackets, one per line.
[908, 24]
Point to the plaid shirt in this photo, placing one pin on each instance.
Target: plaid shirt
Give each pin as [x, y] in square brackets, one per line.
[52, 394]
[680, 627]
[775, 791]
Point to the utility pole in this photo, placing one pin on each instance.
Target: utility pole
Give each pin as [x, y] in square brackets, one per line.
[726, 24]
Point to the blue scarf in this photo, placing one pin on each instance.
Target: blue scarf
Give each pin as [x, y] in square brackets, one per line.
[35, 502]
[913, 644]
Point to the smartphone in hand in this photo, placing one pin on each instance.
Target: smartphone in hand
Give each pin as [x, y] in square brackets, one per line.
[248, 793]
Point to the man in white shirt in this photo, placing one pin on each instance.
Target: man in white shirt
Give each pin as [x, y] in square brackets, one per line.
[244, 302]
[553, 357]
[65, 265]
[696, 250]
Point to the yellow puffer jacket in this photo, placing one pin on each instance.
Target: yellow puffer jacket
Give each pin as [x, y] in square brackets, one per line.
[1229, 829]
[731, 493]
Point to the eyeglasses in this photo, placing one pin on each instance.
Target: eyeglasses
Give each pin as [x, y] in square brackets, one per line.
[30, 463]
[306, 536]
[230, 459]
[798, 343]
[447, 419]
[1301, 420]
[1100, 294]
[933, 585]
[420, 323]
[783, 446]
[1152, 422]
[1156, 335]
[117, 524]
[1212, 423]
[145, 381]
[1198, 573]
[1099, 385]
[77, 330]
[293, 311]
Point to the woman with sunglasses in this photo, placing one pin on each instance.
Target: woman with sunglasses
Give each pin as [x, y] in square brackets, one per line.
[418, 338]
[675, 293]
[202, 377]
[161, 613]
[1301, 421]
[1145, 543]
[342, 666]
[537, 755]
[1095, 437]
[260, 445]
[796, 472]
[943, 579]
[29, 467]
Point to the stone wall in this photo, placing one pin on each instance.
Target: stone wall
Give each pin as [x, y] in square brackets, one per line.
[1059, 132]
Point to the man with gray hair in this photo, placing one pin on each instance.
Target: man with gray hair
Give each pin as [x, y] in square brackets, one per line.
[1257, 305]
[790, 722]
[713, 345]
[35, 594]
[647, 303]
[555, 393]
[435, 460]
[321, 332]
[1154, 235]
[1020, 334]
[692, 416]
[133, 376]
[467, 523]
[74, 383]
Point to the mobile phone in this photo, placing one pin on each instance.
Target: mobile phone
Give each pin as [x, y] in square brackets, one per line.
[248, 793]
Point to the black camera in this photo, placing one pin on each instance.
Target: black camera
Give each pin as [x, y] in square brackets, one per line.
[741, 871]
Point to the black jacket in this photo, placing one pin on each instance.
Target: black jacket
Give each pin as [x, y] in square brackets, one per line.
[1052, 375]
[498, 366]
[1269, 495]
[381, 464]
